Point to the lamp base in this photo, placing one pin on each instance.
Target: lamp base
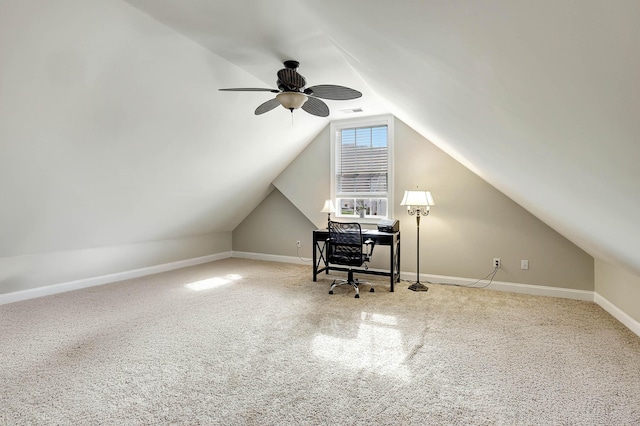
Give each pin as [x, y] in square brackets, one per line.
[418, 287]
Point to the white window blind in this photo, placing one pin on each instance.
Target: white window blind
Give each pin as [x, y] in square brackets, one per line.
[362, 161]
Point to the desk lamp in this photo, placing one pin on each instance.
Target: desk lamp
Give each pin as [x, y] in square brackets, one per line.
[328, 208]
[418, 203]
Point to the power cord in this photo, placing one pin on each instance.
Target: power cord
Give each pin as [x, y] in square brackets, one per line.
[490, 276]
[298, 254]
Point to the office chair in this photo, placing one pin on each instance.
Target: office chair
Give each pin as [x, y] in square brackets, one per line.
[345, 247]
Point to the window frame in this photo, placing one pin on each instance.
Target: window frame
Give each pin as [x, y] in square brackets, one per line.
[373, 121]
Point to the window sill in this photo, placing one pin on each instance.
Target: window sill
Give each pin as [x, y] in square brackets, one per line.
[360, 220]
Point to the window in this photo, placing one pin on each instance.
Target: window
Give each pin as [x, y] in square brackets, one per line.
[362, 168]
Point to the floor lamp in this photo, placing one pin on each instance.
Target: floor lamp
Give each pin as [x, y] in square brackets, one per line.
[418, 203]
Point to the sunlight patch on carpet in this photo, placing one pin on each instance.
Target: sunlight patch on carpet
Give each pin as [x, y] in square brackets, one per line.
[212, 282]
[378, 347]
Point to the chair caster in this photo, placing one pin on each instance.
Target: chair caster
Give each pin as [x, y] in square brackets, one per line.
[371, 291]
[357, 296]
[330, 291]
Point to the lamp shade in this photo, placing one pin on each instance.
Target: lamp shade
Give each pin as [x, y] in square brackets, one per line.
[328, 207]
[417, 198]
[291, 100]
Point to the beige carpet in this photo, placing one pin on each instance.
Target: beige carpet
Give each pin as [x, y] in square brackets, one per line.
[242, 342]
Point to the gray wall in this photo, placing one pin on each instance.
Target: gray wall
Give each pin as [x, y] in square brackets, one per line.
[273, 228]
[471, 223]
[43, 269]
[619, 286]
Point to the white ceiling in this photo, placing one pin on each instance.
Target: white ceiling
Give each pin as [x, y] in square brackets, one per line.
[540, 98]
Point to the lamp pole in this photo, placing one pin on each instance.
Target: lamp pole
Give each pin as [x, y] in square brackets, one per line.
[418, 286]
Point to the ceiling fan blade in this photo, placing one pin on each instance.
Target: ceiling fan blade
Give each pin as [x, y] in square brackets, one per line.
[316, 107]
[333, 92]
[267, 106]
[291, 79]
[249, 89]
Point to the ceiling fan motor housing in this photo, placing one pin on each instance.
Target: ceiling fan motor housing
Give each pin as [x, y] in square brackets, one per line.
[294, 65]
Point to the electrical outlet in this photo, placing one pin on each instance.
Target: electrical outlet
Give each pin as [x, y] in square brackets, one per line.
[496, 262]
[298, 243]
[524, 264]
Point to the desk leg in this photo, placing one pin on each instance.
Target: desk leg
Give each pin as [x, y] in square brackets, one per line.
[322, 250]
[324, 257]
[395, 262]
[315, 256]
[392, 264]
[398, 261]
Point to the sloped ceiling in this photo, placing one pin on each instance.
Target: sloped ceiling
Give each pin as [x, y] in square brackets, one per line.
[539, 98]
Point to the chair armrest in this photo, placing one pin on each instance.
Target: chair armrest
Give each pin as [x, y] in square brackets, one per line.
[370, 244]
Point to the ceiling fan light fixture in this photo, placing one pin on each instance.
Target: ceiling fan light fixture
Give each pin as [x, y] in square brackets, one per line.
[291, 100]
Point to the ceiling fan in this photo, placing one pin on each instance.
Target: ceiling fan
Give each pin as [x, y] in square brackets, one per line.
[292, 94]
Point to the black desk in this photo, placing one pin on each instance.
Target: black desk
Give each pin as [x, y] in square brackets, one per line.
[391, 239]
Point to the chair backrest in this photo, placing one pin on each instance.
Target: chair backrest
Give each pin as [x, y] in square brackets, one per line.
[345, 244]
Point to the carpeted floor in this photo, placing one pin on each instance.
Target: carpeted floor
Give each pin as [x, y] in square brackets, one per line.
[239, 342]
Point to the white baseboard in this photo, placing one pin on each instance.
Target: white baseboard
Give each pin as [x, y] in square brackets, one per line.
[272, 258]
[106, 279]
[618, 314]
[534, 290]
